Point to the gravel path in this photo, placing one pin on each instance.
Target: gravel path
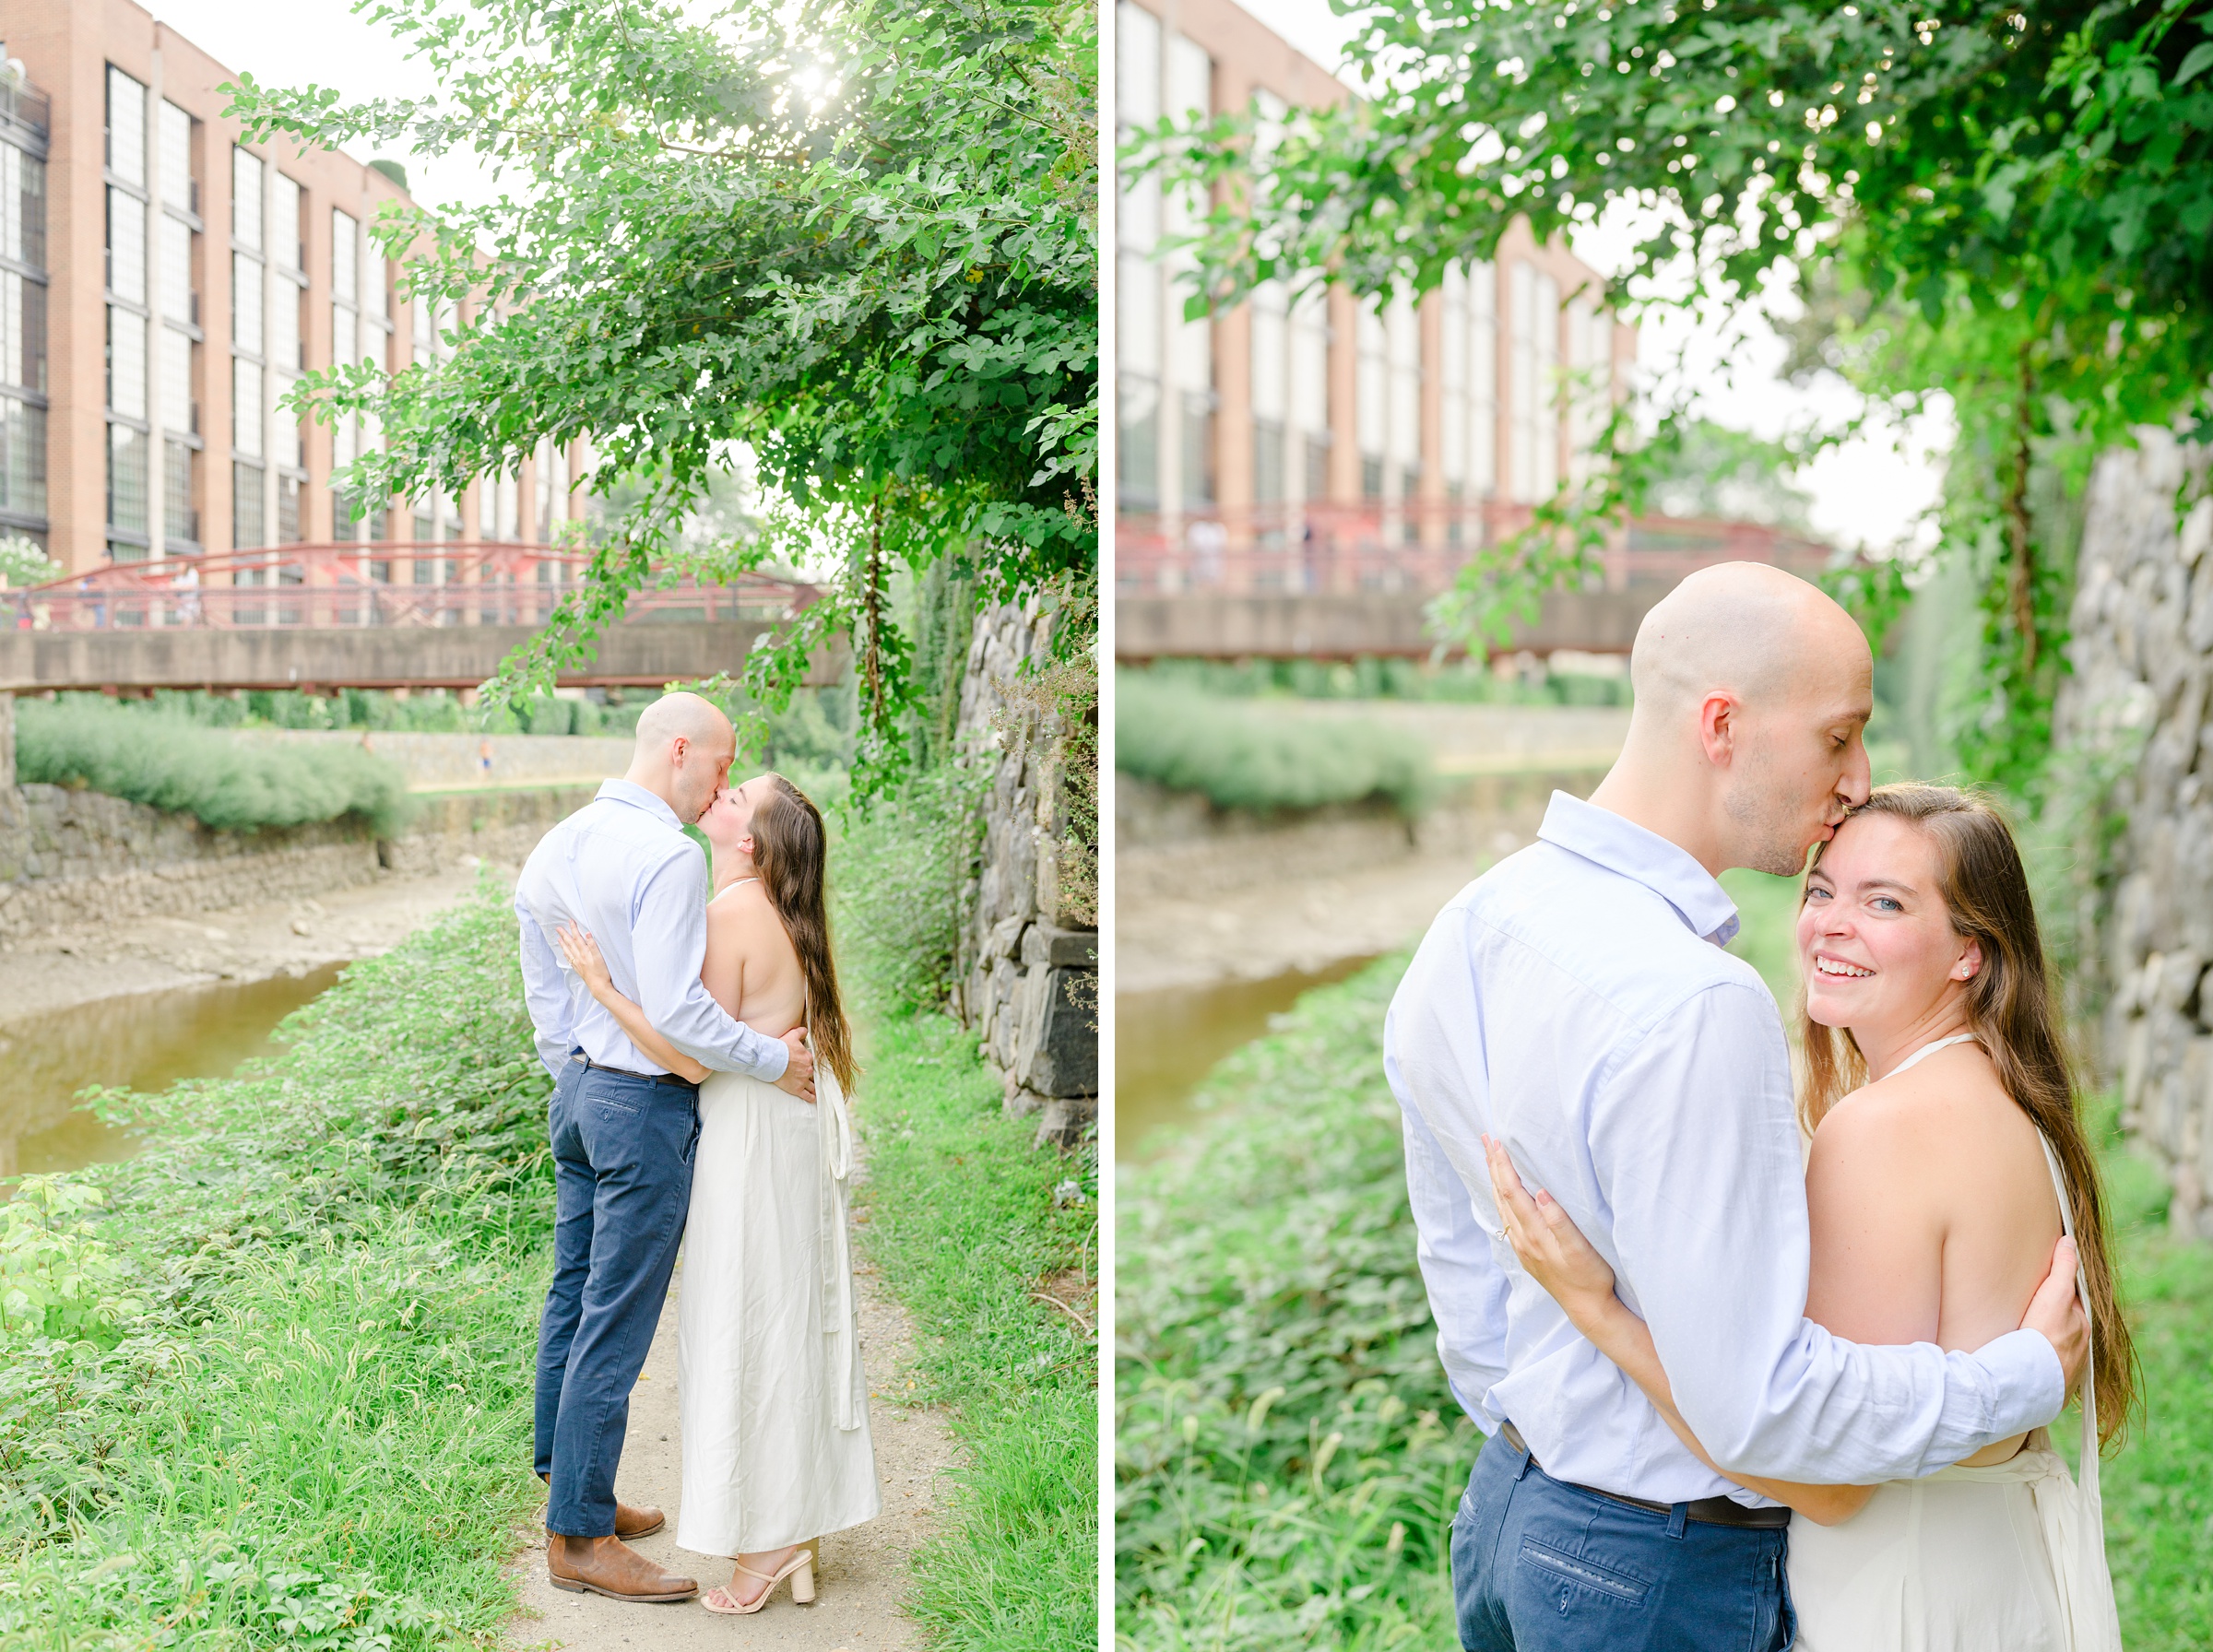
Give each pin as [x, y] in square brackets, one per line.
[860, 1576]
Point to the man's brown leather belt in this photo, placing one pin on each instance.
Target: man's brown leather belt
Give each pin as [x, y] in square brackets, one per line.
[1711, 1511]
[602, 1067]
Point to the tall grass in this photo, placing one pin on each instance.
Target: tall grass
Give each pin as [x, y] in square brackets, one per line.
[301, 1418]
[1242, 754]
[221, 781]
[974, 1230]
[901, 879]
[1288, 1454]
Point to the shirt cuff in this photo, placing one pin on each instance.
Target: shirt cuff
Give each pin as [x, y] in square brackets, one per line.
[780, 1058]
[2031, 1388]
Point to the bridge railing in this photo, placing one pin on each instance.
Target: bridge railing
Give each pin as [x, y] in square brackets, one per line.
[1417, 548]
[404, 583]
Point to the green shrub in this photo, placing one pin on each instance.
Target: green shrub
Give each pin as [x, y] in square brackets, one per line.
[1288, 1454]
[227, 783]
[901, 877]
[311, 1428]
[1242, 755]
[1468, 682]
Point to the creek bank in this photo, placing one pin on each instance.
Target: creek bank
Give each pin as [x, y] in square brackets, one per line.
[1206, 895]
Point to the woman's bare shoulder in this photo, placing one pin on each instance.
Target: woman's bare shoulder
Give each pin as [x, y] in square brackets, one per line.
[1925, 1121]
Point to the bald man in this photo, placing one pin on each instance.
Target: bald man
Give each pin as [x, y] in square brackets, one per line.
[623, 1128]
[1575, 1002]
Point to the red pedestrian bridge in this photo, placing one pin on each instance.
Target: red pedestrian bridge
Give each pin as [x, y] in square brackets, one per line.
[386, 616]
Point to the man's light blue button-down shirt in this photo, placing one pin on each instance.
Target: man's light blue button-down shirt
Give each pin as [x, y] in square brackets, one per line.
[1576, 1003]
[621, 867]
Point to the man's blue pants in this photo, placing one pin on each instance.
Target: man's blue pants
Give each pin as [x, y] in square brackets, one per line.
[622, 1155]
[1541, 1566]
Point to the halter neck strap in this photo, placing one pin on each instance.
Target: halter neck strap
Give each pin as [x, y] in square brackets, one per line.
[1930, 1049]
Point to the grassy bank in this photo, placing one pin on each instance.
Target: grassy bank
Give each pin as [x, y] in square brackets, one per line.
[229, 785]
[962, 1215]
[268, 1384]
[1243, 754]
[274, 1389]
[1288, 1456]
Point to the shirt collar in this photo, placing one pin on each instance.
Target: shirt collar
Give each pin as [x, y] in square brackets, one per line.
[1667, 870]
[637, 797]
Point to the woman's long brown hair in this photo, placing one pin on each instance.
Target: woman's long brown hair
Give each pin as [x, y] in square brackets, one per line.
[2014, 1015]
[791, 853]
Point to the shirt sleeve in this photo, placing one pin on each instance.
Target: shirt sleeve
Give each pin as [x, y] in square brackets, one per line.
[1467, 1288]
[672, 909]
[1697, 1150]
[544, 993]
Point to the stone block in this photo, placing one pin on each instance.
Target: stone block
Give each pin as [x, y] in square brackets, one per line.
[1059, 949]
[1058, 1052]
[1064, 1120]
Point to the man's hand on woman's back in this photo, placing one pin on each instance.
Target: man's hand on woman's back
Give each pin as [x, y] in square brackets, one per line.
[798, 1073]
[2056, 1311]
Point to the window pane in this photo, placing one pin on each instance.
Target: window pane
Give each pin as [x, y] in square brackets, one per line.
[22, 206]
[345, 257]
[22, 457]
[176, 158]
[177, 410]
[288, 511]
[126, 480]
[247, 512]
[126, 363]
[284, 432]
[376, 297]
[176, 269]
[22, 332]
[180, 521]
[245, 198]
[126, 127]
[246, 277]
[284, 325]
[345, 341]
[284, 224]
[245, 408]
[126, 245]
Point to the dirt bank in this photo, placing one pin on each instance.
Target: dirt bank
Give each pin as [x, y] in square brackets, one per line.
[86, 962]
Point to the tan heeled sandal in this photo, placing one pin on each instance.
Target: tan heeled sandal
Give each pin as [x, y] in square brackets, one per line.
[799, 1568]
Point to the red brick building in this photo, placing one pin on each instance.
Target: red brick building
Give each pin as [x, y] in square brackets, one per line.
[162, 283]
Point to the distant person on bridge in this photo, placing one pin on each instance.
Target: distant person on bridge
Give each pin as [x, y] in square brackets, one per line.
[623, 1128]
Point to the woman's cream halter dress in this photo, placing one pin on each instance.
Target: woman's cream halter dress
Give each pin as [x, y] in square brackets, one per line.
[2005, 1558]
[775, 1407]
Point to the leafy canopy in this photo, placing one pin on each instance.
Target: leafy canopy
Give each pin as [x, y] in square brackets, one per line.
[2010, 205]
[857, 236]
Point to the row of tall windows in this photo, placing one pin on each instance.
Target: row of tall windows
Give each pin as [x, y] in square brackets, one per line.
[23, 386]
[1508, 362]
[130, 432]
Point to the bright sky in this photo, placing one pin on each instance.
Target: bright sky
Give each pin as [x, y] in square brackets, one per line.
[296, 42]
[1871, 493]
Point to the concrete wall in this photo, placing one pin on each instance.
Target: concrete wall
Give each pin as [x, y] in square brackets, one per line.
[1028, 970]
[1354, 623]
[69, 858]
[437, 762]
[458, 656]
[2135, 713]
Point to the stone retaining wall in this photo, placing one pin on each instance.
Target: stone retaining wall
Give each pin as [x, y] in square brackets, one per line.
[74, 857]
[2136, 711]
[1028, 973]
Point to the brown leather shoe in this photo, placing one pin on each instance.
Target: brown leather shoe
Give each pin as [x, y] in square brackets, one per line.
[611, 1567]
[630, 1522]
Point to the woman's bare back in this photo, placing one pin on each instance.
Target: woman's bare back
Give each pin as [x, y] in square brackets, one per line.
[1932, 1209]
[751, 968]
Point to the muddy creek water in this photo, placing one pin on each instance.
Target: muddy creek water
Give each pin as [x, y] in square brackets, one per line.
[1167, 1041]
[145, 1042]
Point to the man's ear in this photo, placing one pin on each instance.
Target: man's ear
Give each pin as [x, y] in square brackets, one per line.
[1718, 715]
